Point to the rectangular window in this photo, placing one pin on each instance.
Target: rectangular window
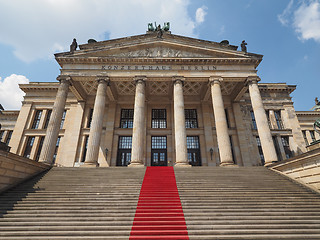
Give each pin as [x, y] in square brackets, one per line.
[193, 148]
[39, 148]
[232, 151]
[63, 118]
[277, 115]
[285, 143]
[268, 118]
[85, 147]
[27, 150]
[126, 120]
[159, 118]
[90, 118]
[56, 150]
[253, 119]
[1, 134]
[159, 142]
[305, 137]
[313, 137]
[260, 150]
[9, 135]
[46, 123]
[227, 117]
[191, 118]
[276, 146]
[36, 119]
[124, 151]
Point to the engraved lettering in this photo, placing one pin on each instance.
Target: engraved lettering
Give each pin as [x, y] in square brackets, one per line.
[129, 67]
[122, 67]
[182, 67]
[150, 67]
[103, 68]
[143, 67]
[115, 67]
[196, 68]
[157, 68]
[109, 67]
[136, 68]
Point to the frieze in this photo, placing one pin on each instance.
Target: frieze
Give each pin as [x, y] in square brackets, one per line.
[157, 68]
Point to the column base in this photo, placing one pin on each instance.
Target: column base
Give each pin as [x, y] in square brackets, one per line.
[228, 164]
[269, 163]
[90, 165]
[136, 165]
[182, 165]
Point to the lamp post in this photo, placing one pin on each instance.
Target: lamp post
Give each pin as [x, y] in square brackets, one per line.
[211, 153]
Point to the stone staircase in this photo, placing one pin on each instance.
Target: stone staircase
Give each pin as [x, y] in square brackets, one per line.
[246, 203]
[218, 203]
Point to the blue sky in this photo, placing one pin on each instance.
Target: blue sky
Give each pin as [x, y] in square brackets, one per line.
[286, 32]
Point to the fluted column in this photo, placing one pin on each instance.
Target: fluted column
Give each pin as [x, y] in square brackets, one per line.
[53, 128]
[265, 136]
[221, 122]
[138, 131]
[180, 123]
[96, 124]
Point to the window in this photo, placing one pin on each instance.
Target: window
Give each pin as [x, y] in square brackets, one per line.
[285, 143]
[193, 148]
[159, 118]
[36, 119]
[85, 147]
[232, 151]
[305, 137]
[268, 118]
[227, 117]
[46, 123]
[39, 149]
[1, 134]
[9, 135]
[260, 150]
[90, 118]
[27, 150]
[124, 151]
[277, 148]
[63, 119]
[56, 150]
[312, 135]
[191, 118]
[277, 115]
[159, 142]
[159, 151]
[253, 119]
[126, 120]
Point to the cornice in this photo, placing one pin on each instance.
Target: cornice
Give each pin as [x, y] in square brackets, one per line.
[304, 113]
[37, 86]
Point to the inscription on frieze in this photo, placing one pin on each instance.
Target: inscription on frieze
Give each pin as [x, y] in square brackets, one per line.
[157, 68]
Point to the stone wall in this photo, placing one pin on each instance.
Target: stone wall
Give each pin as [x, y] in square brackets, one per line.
[304, 168]
[15, 169]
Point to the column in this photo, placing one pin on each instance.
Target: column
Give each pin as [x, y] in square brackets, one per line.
[265, 136]
[96, 124]
[52, 132]
[179, 123]
[138, 131]
[221, 122]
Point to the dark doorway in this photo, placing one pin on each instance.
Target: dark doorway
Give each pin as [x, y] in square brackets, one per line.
[159, 151]
[124, 151]
[193, 146]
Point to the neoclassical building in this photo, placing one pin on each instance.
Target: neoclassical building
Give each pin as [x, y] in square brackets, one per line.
[151, 100]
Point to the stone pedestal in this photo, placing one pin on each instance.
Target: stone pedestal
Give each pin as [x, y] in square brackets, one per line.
[52, 132]
[96, 124]
[265, 136]
[138, 131]
[180, 124]
[221, 123]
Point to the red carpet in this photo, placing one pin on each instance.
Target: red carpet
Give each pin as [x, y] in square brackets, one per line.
[159, 213]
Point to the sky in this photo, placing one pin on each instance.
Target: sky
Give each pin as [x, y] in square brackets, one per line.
[286, 32]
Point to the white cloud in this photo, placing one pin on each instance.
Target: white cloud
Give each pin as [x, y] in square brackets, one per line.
[38, 28]
[307, 21]
[284, 16]
[200, 14]
[10, 93]
[304, 18]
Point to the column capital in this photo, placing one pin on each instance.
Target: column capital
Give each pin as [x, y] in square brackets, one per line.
[64, 79]
[215, 79]
[178, 79]
[253, 79]
[139, 79]
[102, 79]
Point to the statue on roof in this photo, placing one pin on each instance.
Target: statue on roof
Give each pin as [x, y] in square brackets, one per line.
[159, 29]
[317, 106]
[316, 125]
[150, 27]
[73, 45]
[244, 46]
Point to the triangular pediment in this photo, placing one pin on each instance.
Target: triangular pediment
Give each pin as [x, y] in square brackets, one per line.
[149, 46]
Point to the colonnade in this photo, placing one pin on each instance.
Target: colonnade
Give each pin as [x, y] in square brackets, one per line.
[138, 132]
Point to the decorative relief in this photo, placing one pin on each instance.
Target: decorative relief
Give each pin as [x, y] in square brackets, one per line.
[89, 86]
[192, 88]
[159, 88]
[227, 87]
[126, 88]
[159, 52]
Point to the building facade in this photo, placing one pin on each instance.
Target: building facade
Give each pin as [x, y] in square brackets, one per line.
[155, 101]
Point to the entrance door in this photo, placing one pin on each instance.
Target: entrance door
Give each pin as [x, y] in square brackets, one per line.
[124, 151]
[159, 151]
[193, 146]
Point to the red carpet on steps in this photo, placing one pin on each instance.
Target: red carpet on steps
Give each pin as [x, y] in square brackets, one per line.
[159, 213]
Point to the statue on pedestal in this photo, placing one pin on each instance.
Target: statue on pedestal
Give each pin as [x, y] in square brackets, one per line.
[244, 46]
[73, 45]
